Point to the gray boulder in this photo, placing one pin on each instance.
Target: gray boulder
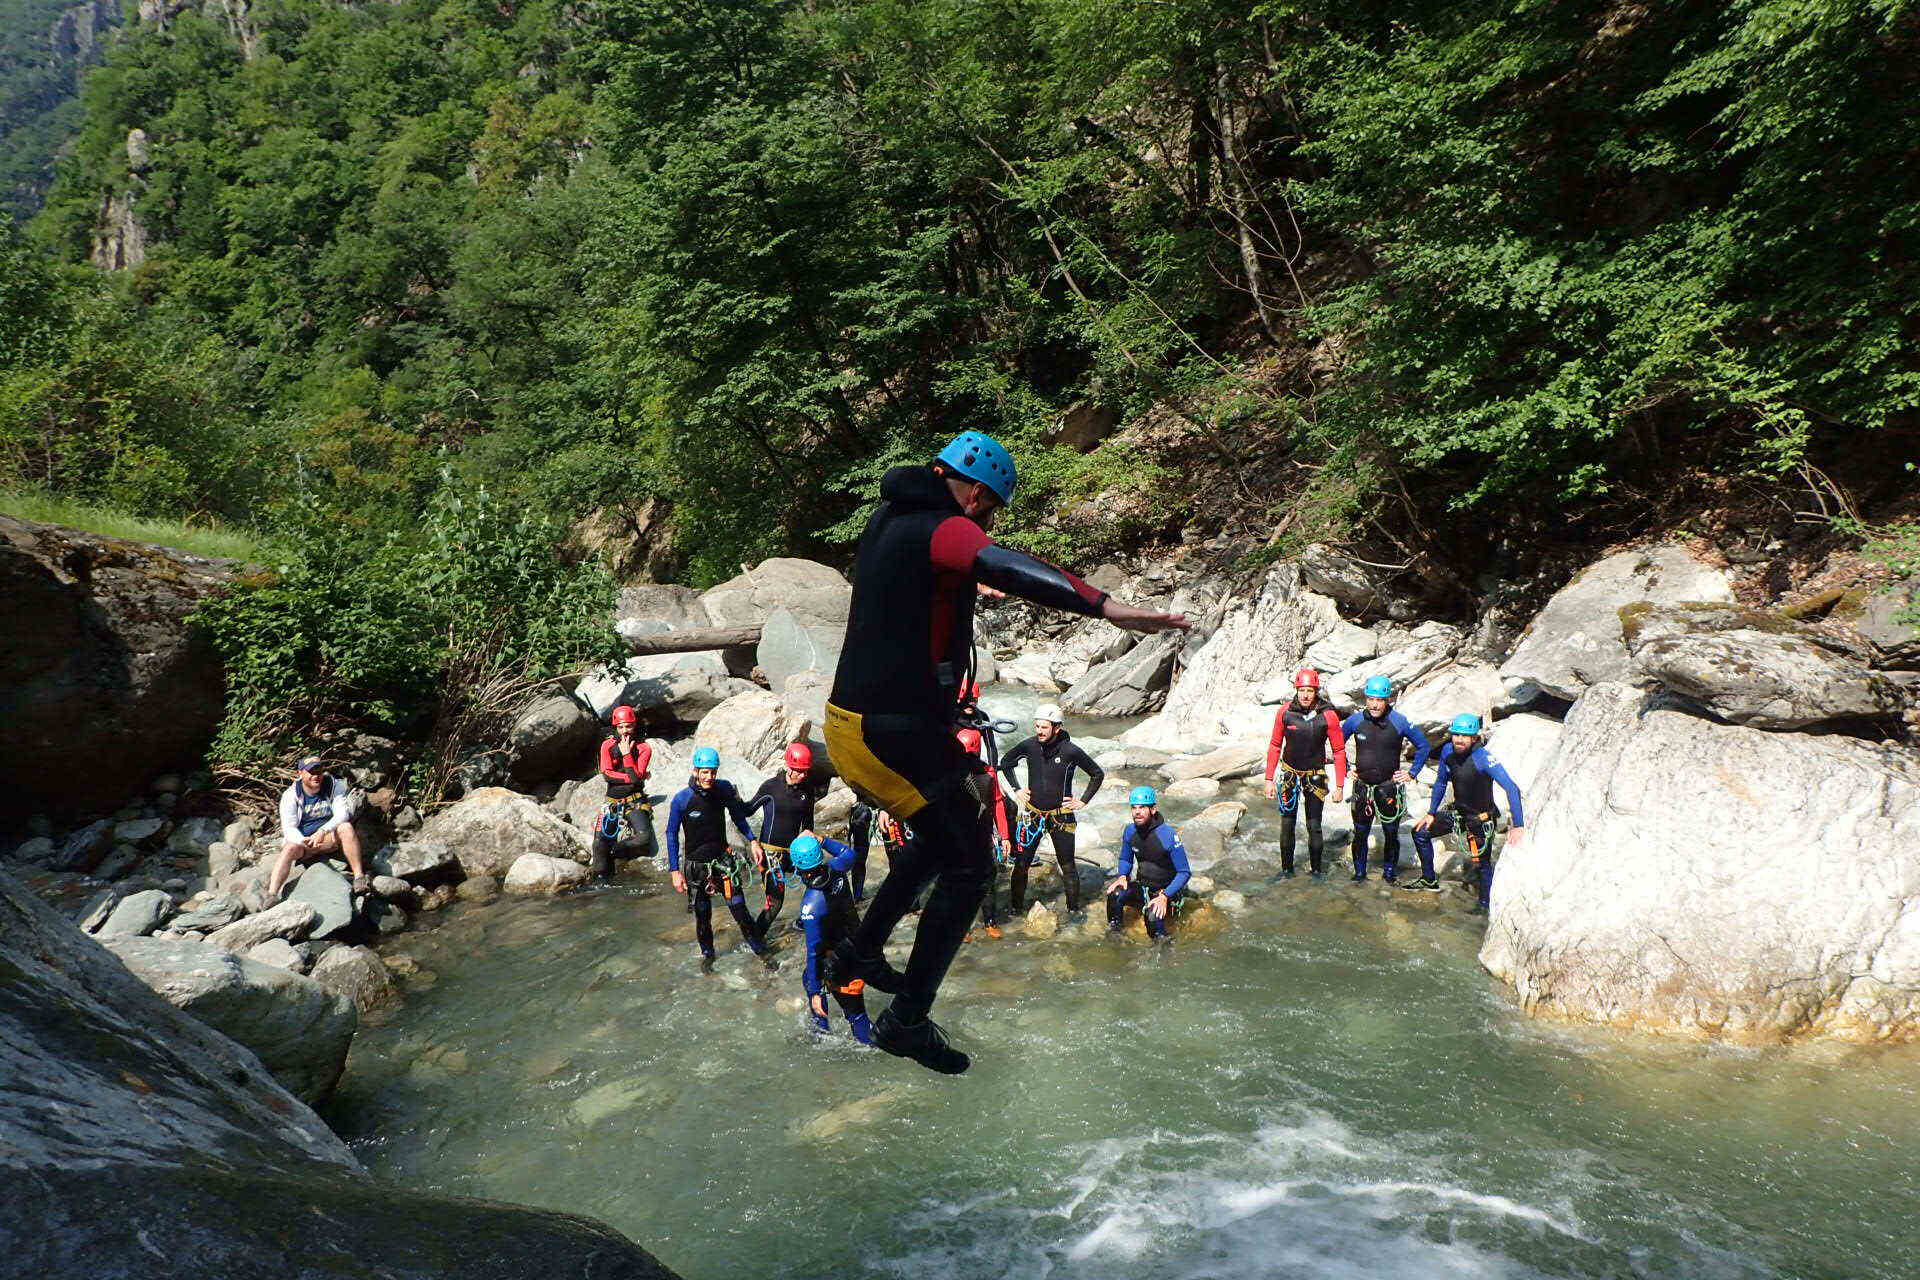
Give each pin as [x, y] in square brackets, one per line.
[1414, 654]
[1755, 669]
[1896, 643]
[83, 849]
[651, 608]
[1360, 589]
[749, 725]
[98, 908]
[1347, 646]
[490, 828]
[1687, 875]
[667, 688]
[205, 914]
[358, 974]
[330, 896]
[535, 873]
[135, 1142]
[1523, 743]
[138, 914]
[290, 920]
[1236, 760]
[813, 593]
[1575, 642]
[552, 737]
[299, 1029]
[417, 860]
[1132, 684]
[790, 644]
[1440, 695]
[280, 954]
[193, 837]
[39, 849]
[122, 860]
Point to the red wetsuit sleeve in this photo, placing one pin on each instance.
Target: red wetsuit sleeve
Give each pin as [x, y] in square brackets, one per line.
[956, 541]
[642, 761]
[610, 763]
[1337, 744]
[1277, 741]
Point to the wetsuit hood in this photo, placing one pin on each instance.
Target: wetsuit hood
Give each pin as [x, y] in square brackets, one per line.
[920, 488]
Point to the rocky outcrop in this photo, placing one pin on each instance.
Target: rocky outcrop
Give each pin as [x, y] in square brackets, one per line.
[492, 827]
[1754, 668]
[298, 1029]
[1680, 874]
[359, 975]
[668, 690]
[90, 624]
[1575, 641]
[553, 737]
[634, 540]
[1132, 684]
[137, 1142]
[749, 725]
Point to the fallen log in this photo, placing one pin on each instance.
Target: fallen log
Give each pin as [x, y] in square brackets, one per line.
[692, 640]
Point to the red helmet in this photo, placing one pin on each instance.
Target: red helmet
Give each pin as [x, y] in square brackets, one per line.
[800, 757]
[970, 739]
[624, 716]
[1306, 678]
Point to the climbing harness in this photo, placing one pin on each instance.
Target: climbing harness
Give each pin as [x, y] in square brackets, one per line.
[617, 816]
[1292, 781]
[1386, 801]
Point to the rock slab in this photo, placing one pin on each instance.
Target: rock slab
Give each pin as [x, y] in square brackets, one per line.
[1684, 875]
[490, 828]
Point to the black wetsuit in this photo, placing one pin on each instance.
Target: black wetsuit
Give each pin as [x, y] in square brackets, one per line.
[701, 816]
[896, 694]
[860, 837]
[1377, 744]
[1299, 749]
[1050, 768]
[788, 811]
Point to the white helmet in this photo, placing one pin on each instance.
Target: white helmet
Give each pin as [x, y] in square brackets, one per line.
[1051, 712]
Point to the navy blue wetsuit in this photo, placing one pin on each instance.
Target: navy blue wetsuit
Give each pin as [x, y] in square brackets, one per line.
[826, 916]
[1376, 758]
[1154, 862]
[1473, 775]
[702, 815]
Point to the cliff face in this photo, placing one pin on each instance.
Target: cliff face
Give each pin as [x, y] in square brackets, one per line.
[45, 46]
[103, 685]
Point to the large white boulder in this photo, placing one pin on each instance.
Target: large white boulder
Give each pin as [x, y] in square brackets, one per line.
[1686, 875]
[1429, 647]
[1346, 646]
[814, 593]
[491, 827]
[665, 686]
[1034, 669]
[536, 873]
[1218, 696]
[1523, 743]
[552, 737]
[749, 725]
[791, 644]
[1440, 695]
[299, 1029]
[1575, 642]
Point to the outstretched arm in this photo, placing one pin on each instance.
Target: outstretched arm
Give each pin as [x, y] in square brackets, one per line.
[961, 546]
[1181, 873]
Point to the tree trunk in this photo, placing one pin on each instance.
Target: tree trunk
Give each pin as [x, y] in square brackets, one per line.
[693, 639]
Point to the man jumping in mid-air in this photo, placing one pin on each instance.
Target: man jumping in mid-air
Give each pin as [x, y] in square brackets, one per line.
[897, 697]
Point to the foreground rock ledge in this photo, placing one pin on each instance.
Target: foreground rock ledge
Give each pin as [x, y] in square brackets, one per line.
[135, 1142]
[1681, 875]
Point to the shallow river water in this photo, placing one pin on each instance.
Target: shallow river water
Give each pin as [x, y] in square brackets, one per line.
[1326, 1084]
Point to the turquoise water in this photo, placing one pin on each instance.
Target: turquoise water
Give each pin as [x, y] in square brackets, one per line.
[1323, 1084]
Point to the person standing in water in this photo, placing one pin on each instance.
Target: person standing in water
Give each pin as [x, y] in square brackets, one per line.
[827, 915]
[898, 698]
[975, 744]
[700, 811]
[1305, 733]
[624, 762]
[1050, 758]
[785, 802]
[1378, 734]
[1153, 867]
[1473, 774]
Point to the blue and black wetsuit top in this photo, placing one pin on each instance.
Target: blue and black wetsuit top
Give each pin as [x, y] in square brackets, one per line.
[827, 913]
[703, 816]
[786, 809]
[1156, 850]
[1377, 743]
[1473, 775]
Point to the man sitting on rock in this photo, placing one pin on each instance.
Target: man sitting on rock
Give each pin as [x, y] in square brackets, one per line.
[314, 823]
[1465, 763]
[1153, 867]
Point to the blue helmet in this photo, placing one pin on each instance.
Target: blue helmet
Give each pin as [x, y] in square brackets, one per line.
[706, 758]
[1465, 723]
[1379, 687]
[1143, 795]
[805, 852]
[979, 457]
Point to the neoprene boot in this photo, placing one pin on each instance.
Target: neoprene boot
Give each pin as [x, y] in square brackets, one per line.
[862, 1028]
[1315, 847]
[1070, 874]
[601, 865]
[872, 970]
[923, 1041]
[1287, 828]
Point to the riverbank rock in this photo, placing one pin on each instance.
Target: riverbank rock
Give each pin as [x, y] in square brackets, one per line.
[299, 1030]
[1752, 668]
[358, 974]
[814, 593]
[206, 912]
[1132, 684]
[534, 873]
[1427, 648]
[490, 828]
[1192, 789]
[95, 622]
[418, 861]
[1523, 743]
[1575, 642]
[1237, 760]
[137, 914]
[666, 690]
[791, 644]
[554, 737]
[137, 1141]
[1680, 874]
[748, 725]
[290, 920]
[1440, 695]
[330, 896]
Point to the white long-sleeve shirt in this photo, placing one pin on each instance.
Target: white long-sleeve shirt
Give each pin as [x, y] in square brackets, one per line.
[296, 804]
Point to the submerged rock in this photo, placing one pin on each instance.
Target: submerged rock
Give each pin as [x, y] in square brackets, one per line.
[1682, 874]
[536, 873]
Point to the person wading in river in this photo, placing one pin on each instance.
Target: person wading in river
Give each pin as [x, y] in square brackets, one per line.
[1378, 734]
[700, 811]
[1305, 733]
[897, 699]
[624, 762]
[1153, 867]
[1473, 773]
[974, 744]
[1050, 758]
[787, 799]
[827, 915]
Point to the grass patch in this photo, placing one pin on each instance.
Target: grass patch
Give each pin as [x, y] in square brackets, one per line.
[207, 539]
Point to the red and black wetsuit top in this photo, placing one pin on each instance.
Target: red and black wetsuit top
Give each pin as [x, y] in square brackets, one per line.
[909, 642]
[625, 771]
[1303, 736]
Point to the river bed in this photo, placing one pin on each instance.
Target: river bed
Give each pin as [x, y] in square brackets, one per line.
[1323, 1084]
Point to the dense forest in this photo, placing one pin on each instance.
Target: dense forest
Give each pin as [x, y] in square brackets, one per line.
[1489, 273]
